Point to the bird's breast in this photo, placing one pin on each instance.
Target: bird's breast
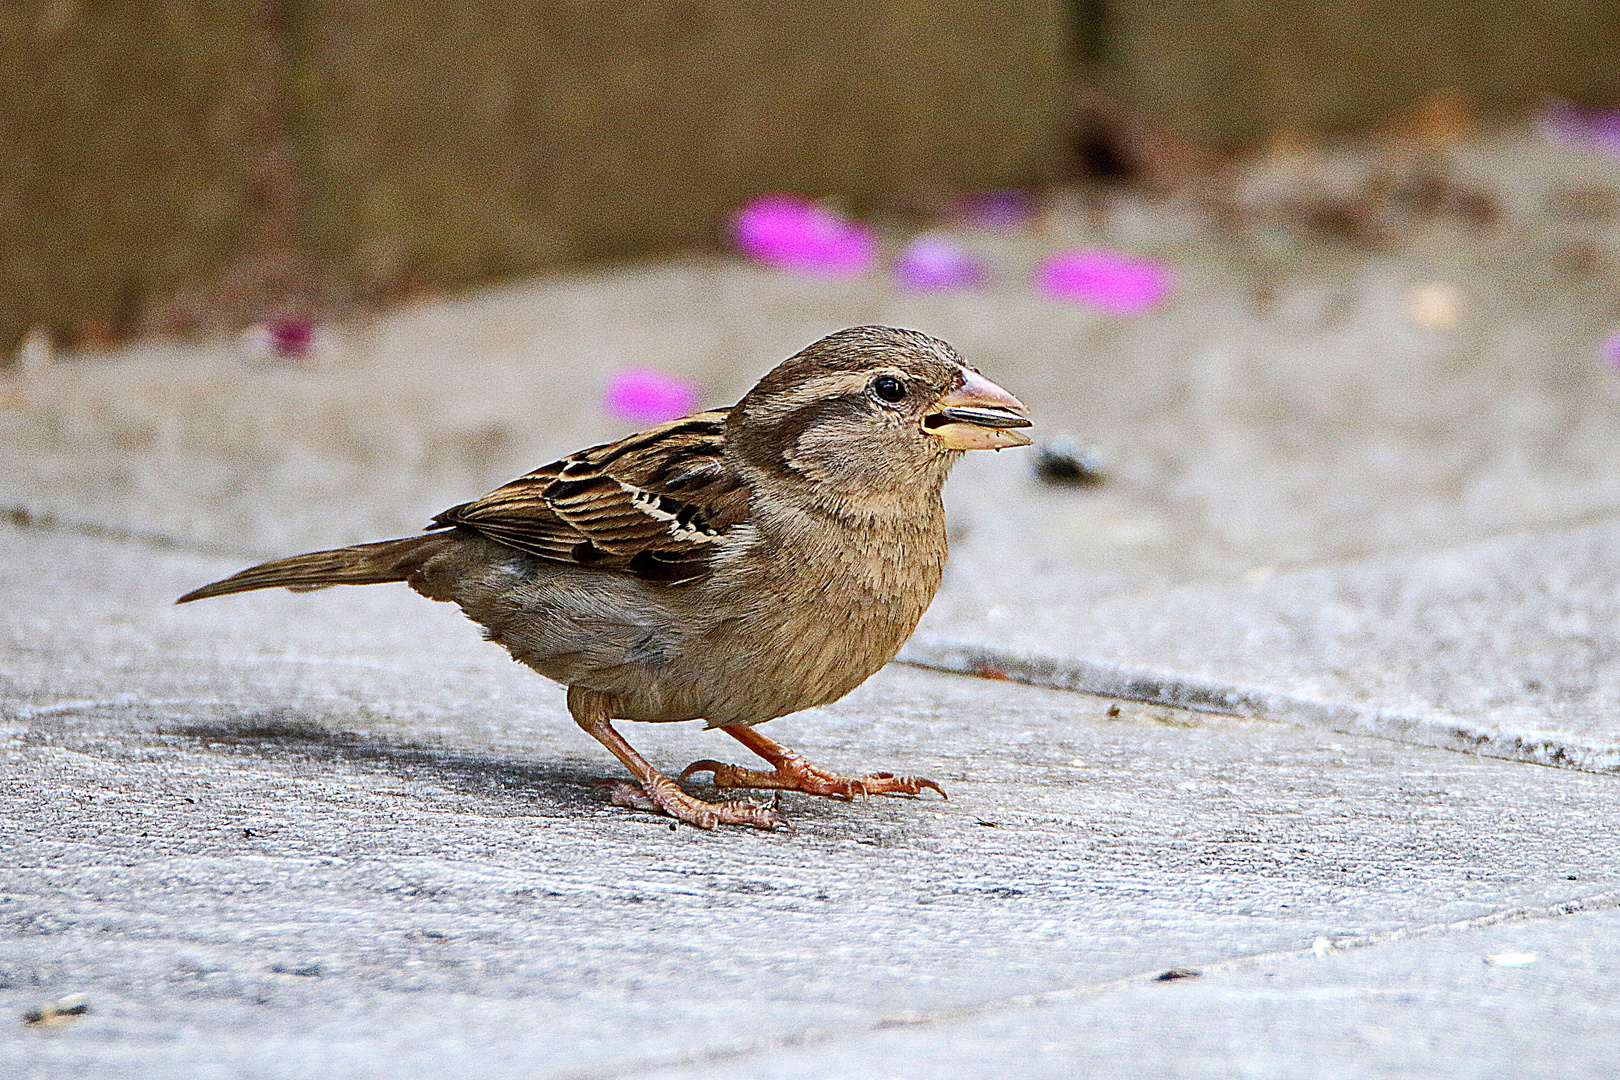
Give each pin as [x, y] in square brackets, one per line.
[814, 612]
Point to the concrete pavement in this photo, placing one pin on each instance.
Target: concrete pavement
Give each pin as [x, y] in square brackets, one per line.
[337, 834]
[1361, 570]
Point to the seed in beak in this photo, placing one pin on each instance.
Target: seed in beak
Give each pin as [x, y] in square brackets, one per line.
[978, 415]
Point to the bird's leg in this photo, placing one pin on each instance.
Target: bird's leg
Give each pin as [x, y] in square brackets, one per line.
[794, 773]
[657, 791]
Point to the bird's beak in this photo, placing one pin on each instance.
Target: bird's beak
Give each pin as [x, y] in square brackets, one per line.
[978, 415]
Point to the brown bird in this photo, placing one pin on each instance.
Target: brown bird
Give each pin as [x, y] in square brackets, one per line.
[734, 566]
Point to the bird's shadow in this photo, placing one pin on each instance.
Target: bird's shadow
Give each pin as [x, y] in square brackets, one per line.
[503, 785]
[284, 734]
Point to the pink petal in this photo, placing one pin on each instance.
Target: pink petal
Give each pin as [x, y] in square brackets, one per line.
[645, 396]
[1580, 128]
[1114, 282]
[290, 336]
[792, 233]
[1610, 350]
[933, 263]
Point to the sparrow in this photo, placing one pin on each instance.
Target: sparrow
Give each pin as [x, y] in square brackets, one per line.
[733, 566]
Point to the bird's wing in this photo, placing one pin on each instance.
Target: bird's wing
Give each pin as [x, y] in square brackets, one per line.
[656, 505]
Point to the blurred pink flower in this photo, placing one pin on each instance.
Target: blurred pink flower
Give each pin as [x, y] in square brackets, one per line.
[291, 335]
[1610, 350]
[1580, 128]
[1106, 279]
[645, 396]
[792, 233]
[933, 263]
[284, 337]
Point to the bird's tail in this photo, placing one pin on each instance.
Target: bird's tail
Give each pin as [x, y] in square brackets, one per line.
[363, 564]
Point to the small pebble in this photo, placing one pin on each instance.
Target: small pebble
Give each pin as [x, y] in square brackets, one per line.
[57, 1012]
[1511, 959]
[36, 351]
[646, 396]
[1175, 973]
[1066, 463]
[1434, 305]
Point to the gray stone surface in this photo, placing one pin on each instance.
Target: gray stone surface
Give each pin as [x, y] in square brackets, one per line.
[1506, 646]
[1253, 447]
[336, 834]
[1439, 1006]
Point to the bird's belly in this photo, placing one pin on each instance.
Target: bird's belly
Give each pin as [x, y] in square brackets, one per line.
[669, 654]
[745, 671]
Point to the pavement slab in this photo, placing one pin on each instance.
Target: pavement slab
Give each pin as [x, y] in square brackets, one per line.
[1506, 646]
[1316, 506]
[1337, 543]
[336, 834]
[1531, 993]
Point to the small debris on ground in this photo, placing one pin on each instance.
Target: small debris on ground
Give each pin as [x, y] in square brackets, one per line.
[60, 1011]
[1064, 462]
[1434, 305]
[1172, 974]
[1511, 959]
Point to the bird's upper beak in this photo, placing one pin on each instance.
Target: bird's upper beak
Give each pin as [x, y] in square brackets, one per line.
[978, 415]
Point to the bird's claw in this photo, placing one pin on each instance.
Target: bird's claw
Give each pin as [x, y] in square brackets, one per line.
[662, 796]
[796, 774]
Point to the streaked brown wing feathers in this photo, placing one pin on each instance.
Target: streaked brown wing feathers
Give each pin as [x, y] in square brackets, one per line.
[654, 504]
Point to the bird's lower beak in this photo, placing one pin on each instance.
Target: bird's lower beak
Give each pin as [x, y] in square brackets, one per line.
[978, 415]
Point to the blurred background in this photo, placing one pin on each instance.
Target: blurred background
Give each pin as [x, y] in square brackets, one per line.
[1283, 281]
[174, 167]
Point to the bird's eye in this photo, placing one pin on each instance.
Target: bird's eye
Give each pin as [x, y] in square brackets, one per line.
[889, 388]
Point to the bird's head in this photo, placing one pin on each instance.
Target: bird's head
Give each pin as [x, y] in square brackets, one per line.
[870, 408]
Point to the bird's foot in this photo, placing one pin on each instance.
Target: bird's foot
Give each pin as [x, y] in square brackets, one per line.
[794, 773]
[662, 795]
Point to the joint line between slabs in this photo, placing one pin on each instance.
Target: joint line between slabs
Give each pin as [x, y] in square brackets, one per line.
[1596, 902]
[1147, 687]
[21, 517]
